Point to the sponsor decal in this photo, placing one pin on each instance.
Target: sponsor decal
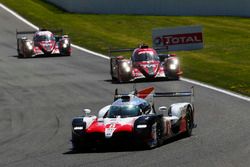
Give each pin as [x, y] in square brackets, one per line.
[110, 130]
[178, 38]
[150, 66]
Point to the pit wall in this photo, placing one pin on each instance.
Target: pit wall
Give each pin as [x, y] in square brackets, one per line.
[158, 7]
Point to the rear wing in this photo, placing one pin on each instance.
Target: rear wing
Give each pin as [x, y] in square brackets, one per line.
[111, 50]
[121, 50]
[55, 31]
[156, 94]
[25, 32]
[122, 95]
[173, 94]
[20, 33]
[177, 94]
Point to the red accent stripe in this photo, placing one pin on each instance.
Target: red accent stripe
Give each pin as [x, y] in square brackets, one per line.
[183, 125]
[145, 92]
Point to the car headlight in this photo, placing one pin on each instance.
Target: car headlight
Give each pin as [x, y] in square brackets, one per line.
[78, 128]
[126, 66]
[66, 41]
[141, 126]
[64, 45]
[175, 61]
[173, 67]
[29, 45]
[174, 64]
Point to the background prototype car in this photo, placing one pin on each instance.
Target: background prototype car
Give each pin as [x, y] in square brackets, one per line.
[132, 119]
[146, 63]
[43, 42]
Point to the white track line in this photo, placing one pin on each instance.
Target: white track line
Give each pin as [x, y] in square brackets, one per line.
[106, 57]
[18, 16]
[91, 52]
[217, 89]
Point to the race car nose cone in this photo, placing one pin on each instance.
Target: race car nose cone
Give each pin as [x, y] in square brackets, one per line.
[47, 47]
[151, 71]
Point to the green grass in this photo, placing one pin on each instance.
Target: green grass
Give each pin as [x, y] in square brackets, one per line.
[224, 62]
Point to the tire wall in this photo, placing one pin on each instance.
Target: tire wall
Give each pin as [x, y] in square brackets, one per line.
[158, 7]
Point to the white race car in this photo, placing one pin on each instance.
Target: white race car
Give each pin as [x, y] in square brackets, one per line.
[133, 119]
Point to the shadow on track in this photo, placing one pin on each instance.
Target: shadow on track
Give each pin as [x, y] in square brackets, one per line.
[39, 56]
[143, 80]
[130, 148]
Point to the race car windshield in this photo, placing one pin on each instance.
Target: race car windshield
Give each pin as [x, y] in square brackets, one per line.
[123, 111]
[44, 38]
[145, 56]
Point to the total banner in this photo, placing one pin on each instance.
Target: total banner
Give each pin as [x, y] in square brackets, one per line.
[178, 38]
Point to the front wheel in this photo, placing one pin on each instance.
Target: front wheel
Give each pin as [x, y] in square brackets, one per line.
[172, 76]
[78, 145]
[155, 137]
[20, 55]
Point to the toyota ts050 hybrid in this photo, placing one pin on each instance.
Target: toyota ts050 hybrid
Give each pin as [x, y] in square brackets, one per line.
[133, 120]
[42, 42]
[145, 63]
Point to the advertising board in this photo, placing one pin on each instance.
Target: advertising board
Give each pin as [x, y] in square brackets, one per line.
[178, 38]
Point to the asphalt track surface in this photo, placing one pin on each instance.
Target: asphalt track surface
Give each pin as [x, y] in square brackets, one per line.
[39, 97]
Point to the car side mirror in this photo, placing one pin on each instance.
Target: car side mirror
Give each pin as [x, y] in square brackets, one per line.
[163, 109]
[86, 111]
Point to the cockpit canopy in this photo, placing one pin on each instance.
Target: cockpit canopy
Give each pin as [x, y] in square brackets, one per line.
[145, 55]
[124, 111]
[132, 108]
[44, 38]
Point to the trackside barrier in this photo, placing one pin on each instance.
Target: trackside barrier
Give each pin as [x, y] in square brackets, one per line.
[158, 7]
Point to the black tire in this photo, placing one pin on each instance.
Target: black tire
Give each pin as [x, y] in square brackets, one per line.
[189, 122]
[156, 139]
[20, 55]
[78, 145]
[111, 71]
[172, 77]
[119, 78]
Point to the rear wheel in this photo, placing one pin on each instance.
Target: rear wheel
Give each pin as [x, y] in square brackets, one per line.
[189, 122]
[111, 70]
